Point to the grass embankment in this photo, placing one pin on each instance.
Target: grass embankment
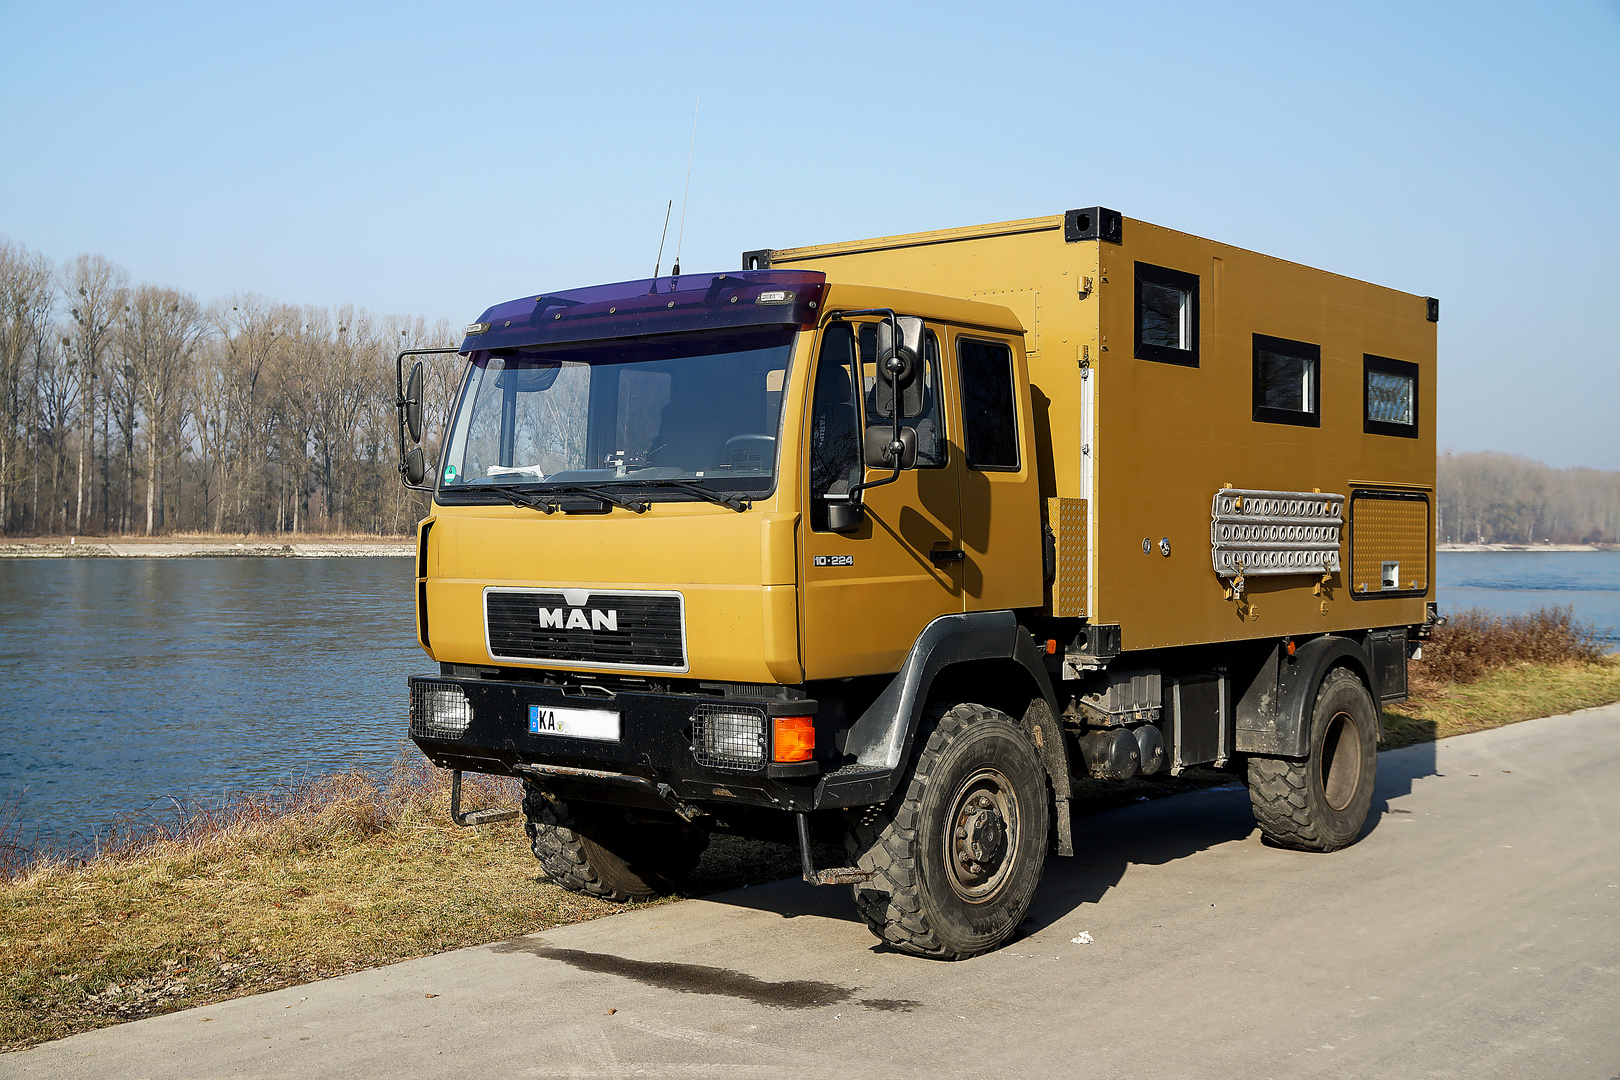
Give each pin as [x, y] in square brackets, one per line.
[356, 871]
[347, 873]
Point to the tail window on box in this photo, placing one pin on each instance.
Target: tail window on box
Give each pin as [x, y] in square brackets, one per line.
[1389, 397]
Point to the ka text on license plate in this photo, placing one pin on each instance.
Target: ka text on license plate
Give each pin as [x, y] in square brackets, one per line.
[601, 724]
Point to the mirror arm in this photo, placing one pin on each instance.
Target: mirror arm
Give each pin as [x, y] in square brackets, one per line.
[894, 403]
[400, 403]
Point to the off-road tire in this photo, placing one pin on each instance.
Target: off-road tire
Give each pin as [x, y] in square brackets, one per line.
[1321, 803]
[595, 850]
[916, 902]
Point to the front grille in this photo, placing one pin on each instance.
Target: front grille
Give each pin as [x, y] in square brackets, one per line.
[604, 629]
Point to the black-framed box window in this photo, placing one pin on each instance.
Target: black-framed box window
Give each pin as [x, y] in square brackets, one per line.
[1389, 398]
[1287, 381]
[989, 417]
[1166, 315]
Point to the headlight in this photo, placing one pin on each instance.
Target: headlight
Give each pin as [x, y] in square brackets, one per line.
[724, 737]
[439, 710]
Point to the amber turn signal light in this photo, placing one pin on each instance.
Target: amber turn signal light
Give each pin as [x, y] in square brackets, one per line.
[795, 739]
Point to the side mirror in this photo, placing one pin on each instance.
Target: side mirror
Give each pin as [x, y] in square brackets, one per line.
[880, 447]
[413, 403]
[844, 515]
[899, 366]
[414, 466]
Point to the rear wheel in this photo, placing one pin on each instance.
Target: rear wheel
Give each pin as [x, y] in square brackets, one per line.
[957, 853]
[1321, 803]
[596, 850]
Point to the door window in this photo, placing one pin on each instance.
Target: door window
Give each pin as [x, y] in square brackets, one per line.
[835, 423]
[989, 419]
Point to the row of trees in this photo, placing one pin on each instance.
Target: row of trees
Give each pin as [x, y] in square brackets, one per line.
[136, 408]
[1501, 499]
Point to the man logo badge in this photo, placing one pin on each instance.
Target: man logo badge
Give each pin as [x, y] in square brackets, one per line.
[599, 620]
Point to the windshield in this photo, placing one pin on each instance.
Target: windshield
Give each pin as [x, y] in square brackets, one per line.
[683, 407]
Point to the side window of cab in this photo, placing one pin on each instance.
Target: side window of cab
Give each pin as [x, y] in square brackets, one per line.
[835, 422]
[989, 404]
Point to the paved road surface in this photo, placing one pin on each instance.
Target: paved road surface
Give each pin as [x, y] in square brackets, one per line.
[1474, 932]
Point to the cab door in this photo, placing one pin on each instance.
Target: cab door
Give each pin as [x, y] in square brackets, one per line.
[869, 593]
[999, 485]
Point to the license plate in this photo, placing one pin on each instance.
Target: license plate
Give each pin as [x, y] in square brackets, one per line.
[599, 724]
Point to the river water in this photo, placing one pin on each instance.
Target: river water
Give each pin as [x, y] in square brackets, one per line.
[132, 681]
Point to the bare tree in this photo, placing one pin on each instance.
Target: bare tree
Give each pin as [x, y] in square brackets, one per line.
[94, 290]
[26, 306]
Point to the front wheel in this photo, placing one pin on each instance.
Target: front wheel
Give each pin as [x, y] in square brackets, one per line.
[595, 850]
[957, 853]
[1321, 803]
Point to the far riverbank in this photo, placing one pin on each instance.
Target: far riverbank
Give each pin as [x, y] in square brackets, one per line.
[1480, 548]
[166, 547]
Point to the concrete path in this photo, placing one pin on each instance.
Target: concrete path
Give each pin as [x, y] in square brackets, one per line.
[1474, 932]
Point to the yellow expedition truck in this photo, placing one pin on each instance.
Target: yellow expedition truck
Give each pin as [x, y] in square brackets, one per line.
[889, 540]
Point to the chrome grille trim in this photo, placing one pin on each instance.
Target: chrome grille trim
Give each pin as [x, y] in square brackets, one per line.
[650, 633]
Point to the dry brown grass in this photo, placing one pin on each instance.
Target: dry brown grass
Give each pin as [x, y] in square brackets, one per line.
[349, 872]
[1473, 642]
[1504, 695]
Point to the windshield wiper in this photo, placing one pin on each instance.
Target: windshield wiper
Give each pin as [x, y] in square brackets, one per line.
[635, 506]
[730, 500]
[518, 498]
[547, 501]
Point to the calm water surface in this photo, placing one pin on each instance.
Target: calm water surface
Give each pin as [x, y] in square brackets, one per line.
[1514, 582]
[133, 680]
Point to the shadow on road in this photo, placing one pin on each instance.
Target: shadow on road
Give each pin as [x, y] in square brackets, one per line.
[1107, 843]
[1397, 769]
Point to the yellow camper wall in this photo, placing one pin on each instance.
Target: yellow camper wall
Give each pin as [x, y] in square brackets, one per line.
[1167, 437]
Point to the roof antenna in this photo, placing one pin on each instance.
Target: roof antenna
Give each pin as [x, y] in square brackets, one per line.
[675, 271]
[661, 238]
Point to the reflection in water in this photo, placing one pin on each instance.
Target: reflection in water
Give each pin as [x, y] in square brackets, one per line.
[133, 680]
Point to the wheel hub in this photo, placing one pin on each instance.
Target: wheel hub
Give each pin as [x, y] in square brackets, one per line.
[982, 832]
[986, 836]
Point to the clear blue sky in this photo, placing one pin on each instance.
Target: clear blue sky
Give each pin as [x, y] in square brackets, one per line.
[432, 159]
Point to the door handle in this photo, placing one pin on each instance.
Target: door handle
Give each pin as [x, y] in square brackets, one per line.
[947, 556]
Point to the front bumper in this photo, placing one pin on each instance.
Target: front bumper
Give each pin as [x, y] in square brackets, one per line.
[652, 764]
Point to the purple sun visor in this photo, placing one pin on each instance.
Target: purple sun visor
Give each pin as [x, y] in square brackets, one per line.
[665, 305]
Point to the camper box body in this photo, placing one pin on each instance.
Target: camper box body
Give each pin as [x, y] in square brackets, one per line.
[1146, 437]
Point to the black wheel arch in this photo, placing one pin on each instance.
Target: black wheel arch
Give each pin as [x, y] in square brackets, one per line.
[1274, 717]
[985, 657]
